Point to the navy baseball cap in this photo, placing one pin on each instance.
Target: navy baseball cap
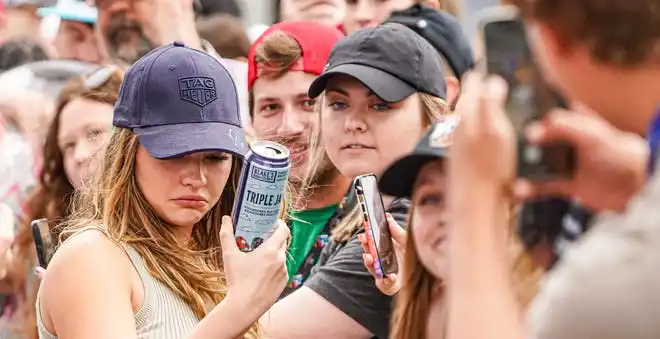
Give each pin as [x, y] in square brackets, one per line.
[179, 100]
[399, 178]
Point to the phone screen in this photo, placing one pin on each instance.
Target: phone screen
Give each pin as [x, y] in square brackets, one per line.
[509, 56]
[377, 221]
[43, 241]
[529, 98]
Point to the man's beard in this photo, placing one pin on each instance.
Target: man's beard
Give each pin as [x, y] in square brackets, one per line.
[293, 143]
[126, 40]
[301, 185]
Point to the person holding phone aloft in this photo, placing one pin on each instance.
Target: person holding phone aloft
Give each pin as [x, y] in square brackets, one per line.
[149, 251]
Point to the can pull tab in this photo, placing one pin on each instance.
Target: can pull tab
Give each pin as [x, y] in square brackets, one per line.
[272, 151]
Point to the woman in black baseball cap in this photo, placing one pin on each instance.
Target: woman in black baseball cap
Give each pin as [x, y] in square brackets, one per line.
[380, 90]
[382, 87]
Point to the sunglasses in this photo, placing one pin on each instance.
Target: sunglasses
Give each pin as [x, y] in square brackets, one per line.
[98, 77]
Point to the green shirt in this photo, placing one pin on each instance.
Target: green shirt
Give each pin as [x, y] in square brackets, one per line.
[306, 226]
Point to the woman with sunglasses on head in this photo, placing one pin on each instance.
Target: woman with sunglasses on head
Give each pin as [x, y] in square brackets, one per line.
[381, 88]
[144, 254]
[422, 248]
[74, 141]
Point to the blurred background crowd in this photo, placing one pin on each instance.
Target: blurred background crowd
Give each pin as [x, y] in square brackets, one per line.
[62, 63]
[44, 44]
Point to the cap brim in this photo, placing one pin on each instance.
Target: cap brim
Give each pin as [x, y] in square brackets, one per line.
[169, 141]
[67, 15]
[386, 86]
[399, 178]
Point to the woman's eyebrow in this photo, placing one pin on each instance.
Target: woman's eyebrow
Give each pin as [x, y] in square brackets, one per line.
[420, 183]
[336, 89]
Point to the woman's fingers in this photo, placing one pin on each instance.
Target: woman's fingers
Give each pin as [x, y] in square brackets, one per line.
[369, 263]
[399, 234]
[388, 285]
[281, 236]
[40, 272]
[227, 240]
[363, 242]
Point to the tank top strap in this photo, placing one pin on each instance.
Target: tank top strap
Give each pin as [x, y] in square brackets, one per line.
[143, 314]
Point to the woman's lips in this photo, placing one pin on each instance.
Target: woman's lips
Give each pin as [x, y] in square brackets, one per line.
[196, 202]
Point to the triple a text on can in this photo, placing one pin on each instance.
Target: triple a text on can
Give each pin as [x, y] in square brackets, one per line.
[261, 189]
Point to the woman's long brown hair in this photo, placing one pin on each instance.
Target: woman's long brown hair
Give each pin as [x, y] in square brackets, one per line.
[414, 299]
[51, 197]
[114, 202]
[420, 288]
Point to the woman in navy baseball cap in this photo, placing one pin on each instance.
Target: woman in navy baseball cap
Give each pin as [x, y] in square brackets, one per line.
[144, 254]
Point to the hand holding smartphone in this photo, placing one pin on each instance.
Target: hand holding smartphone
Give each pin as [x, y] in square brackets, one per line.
[508, 55]
[377, 228]
[43, 241]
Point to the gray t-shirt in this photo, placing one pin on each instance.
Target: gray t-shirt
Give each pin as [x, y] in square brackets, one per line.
[607, 285]
[341, 278]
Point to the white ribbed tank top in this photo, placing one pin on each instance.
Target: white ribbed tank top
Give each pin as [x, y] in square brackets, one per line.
[163, 314]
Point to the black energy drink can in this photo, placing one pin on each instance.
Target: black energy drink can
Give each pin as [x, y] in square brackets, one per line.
[258, 202]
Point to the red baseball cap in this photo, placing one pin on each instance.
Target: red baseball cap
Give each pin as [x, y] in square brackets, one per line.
[315, 40]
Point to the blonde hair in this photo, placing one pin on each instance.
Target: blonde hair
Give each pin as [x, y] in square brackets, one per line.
[115, 203]
[413, 302]
[432, 109]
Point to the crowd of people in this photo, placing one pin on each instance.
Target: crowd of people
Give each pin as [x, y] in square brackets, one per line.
[125, 124]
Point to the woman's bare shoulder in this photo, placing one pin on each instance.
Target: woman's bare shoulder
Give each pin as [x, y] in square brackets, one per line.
[91, 241]
[87, 252]
[87, 281]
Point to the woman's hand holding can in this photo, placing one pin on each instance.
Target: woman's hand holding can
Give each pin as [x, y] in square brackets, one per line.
[255, 278]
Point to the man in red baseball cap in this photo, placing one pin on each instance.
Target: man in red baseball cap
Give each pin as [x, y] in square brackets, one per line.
[282, 63]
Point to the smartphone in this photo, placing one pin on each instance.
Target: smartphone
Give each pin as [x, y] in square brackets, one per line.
[373, 211]
[43, 241]
[507, 54]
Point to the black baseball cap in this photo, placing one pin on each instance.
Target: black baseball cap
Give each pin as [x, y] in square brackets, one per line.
[391, 60]
[399, 178]
[443, 31]
[179, 100]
